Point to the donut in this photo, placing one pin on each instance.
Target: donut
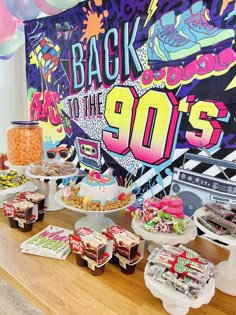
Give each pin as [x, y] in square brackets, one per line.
[153, 202]
[172, 201]
[176, 211]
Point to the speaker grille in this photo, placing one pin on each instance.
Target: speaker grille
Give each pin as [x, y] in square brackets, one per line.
[191, 202]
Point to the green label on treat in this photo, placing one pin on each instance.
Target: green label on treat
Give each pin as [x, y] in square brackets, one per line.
[181, 268]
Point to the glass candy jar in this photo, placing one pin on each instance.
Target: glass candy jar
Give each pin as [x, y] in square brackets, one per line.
[24, 143]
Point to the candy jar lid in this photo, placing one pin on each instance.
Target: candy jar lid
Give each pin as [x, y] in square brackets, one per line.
[25, 123]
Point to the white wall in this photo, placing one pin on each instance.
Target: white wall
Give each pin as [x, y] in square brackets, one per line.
[13, 94]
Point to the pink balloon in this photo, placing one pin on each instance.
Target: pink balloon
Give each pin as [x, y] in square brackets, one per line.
[47, 8]
[8, 23]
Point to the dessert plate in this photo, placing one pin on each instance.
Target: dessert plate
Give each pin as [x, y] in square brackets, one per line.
[170, 238]
[227, 238]
[95, 220]
[49, 189]
[12, 190]
[60, 193]
[226, 276]
[6, 194]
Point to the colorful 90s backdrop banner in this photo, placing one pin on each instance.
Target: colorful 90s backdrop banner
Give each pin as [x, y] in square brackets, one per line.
[135, 85]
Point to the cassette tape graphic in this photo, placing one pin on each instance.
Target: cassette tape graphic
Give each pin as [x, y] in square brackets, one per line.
[88, 152]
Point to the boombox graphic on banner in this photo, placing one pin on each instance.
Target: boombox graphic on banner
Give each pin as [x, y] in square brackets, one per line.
[134, 85]
[196, 189]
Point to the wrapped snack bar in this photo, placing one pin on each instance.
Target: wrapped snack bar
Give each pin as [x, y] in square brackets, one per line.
[181, 268]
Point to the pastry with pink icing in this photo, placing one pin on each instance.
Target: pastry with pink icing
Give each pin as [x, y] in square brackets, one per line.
[152, 202]
[173, 205]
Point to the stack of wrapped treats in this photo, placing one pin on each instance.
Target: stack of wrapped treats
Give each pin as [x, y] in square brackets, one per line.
[162, 215]
[181, 268]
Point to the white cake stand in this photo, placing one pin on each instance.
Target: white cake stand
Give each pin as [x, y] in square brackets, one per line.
[49, 189]
[95, 220]
[21, 170]
[174, 302]
[9, 193]
[169, 238]
[226, 275]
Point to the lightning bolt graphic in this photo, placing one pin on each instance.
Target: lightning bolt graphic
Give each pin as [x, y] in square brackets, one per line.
[232, 84]
[151, 10]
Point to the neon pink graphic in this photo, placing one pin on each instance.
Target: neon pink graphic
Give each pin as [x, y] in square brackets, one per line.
[120, 114]
[205, 66]
[204, 117]
[153, 138]
[146, 126]
[44, 107]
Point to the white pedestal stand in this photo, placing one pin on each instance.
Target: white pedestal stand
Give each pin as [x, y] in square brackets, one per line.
[95, 221]
[21, 170]
[10, 193]
[169, 238]
[50, 188]
[226, 275]
[174, 302]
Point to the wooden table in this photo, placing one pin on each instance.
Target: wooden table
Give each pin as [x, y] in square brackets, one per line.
[62, 287]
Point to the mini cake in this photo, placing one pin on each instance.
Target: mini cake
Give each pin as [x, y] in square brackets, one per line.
[35, 198]
[19, 208]
[91, 249]
[98, 187]
[126, 247]
[20, 211]
[97, 192]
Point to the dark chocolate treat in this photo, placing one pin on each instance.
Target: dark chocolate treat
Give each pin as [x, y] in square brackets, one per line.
[95, 253]
[27, 227]
[80, 260]
[13, 223]
[127, 252]
[114, 260]
[41, 204]
[128, 270]
[40, 216]
[24, 214]
[98, 271]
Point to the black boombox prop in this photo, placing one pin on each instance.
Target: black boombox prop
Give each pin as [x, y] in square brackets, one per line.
[195, 189]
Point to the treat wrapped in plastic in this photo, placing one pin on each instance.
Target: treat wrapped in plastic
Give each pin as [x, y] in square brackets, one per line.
[181, 268]
[219, 218]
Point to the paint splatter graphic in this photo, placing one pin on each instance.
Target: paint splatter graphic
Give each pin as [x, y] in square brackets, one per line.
[94, 23]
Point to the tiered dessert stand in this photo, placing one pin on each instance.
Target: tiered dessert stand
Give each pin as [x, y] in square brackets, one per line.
[226, 275]
[95, 220]
[174, 302]
[49, 188]
[169, 238]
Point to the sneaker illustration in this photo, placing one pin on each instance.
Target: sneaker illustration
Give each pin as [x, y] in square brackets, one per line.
[193, 25]
[166, 45]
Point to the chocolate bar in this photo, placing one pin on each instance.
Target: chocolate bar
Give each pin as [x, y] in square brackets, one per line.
[228, 225]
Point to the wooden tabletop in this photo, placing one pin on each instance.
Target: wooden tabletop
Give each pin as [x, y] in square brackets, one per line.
[62, 287]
